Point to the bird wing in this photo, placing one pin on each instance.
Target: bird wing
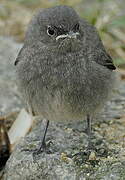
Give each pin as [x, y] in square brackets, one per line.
[104, 59]
[93, 42]
[108, 62]
[18, 57]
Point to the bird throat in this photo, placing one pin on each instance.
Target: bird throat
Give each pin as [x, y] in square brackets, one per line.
[69, 45]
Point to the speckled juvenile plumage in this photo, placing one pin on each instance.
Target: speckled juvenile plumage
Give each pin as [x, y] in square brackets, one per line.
[63, 79]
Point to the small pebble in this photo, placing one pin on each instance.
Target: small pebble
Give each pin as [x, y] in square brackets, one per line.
[92, 156]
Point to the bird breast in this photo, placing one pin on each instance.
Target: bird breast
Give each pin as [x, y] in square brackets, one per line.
[67, 87]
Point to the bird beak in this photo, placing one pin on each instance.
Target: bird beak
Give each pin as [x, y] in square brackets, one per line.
[70, 35]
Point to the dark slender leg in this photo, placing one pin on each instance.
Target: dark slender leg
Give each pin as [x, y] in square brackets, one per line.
[90, 147]
[89, 132]
[43, 142]
[89, 126]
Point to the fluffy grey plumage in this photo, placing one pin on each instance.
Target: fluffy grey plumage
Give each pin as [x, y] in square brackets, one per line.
[64, 72]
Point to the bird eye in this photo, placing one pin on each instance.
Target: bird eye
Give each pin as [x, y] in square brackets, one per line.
[50, 31]
[76, 27]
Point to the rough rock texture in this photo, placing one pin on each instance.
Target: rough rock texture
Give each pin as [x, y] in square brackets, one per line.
[106, 160]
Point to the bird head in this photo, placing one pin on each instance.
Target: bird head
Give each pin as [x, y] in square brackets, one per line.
[57, 27]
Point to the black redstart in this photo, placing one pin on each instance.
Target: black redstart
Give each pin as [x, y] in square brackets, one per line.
[64, 72]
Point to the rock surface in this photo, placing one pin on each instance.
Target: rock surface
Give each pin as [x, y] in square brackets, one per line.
[106, 160]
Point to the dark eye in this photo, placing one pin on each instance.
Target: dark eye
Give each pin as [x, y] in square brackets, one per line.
[76, 27]
[50, 31]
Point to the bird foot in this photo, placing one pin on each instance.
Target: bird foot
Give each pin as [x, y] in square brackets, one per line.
[86, 156]
[44, 148]
[82, 153]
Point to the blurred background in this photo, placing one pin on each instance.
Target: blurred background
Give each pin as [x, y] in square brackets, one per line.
[107, 15]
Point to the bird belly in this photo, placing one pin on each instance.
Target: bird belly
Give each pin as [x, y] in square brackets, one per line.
[58, 107]
[70, 97]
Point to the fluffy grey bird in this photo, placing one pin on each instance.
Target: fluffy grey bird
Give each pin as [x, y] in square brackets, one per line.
[64, 72]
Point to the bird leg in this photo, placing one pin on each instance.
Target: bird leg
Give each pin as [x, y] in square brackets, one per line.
[43, 142]
[89, 129]
[43, 145]
[89, 132]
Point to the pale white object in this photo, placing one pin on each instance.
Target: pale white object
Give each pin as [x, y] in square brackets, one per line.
[70, 35]
[20, 127]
